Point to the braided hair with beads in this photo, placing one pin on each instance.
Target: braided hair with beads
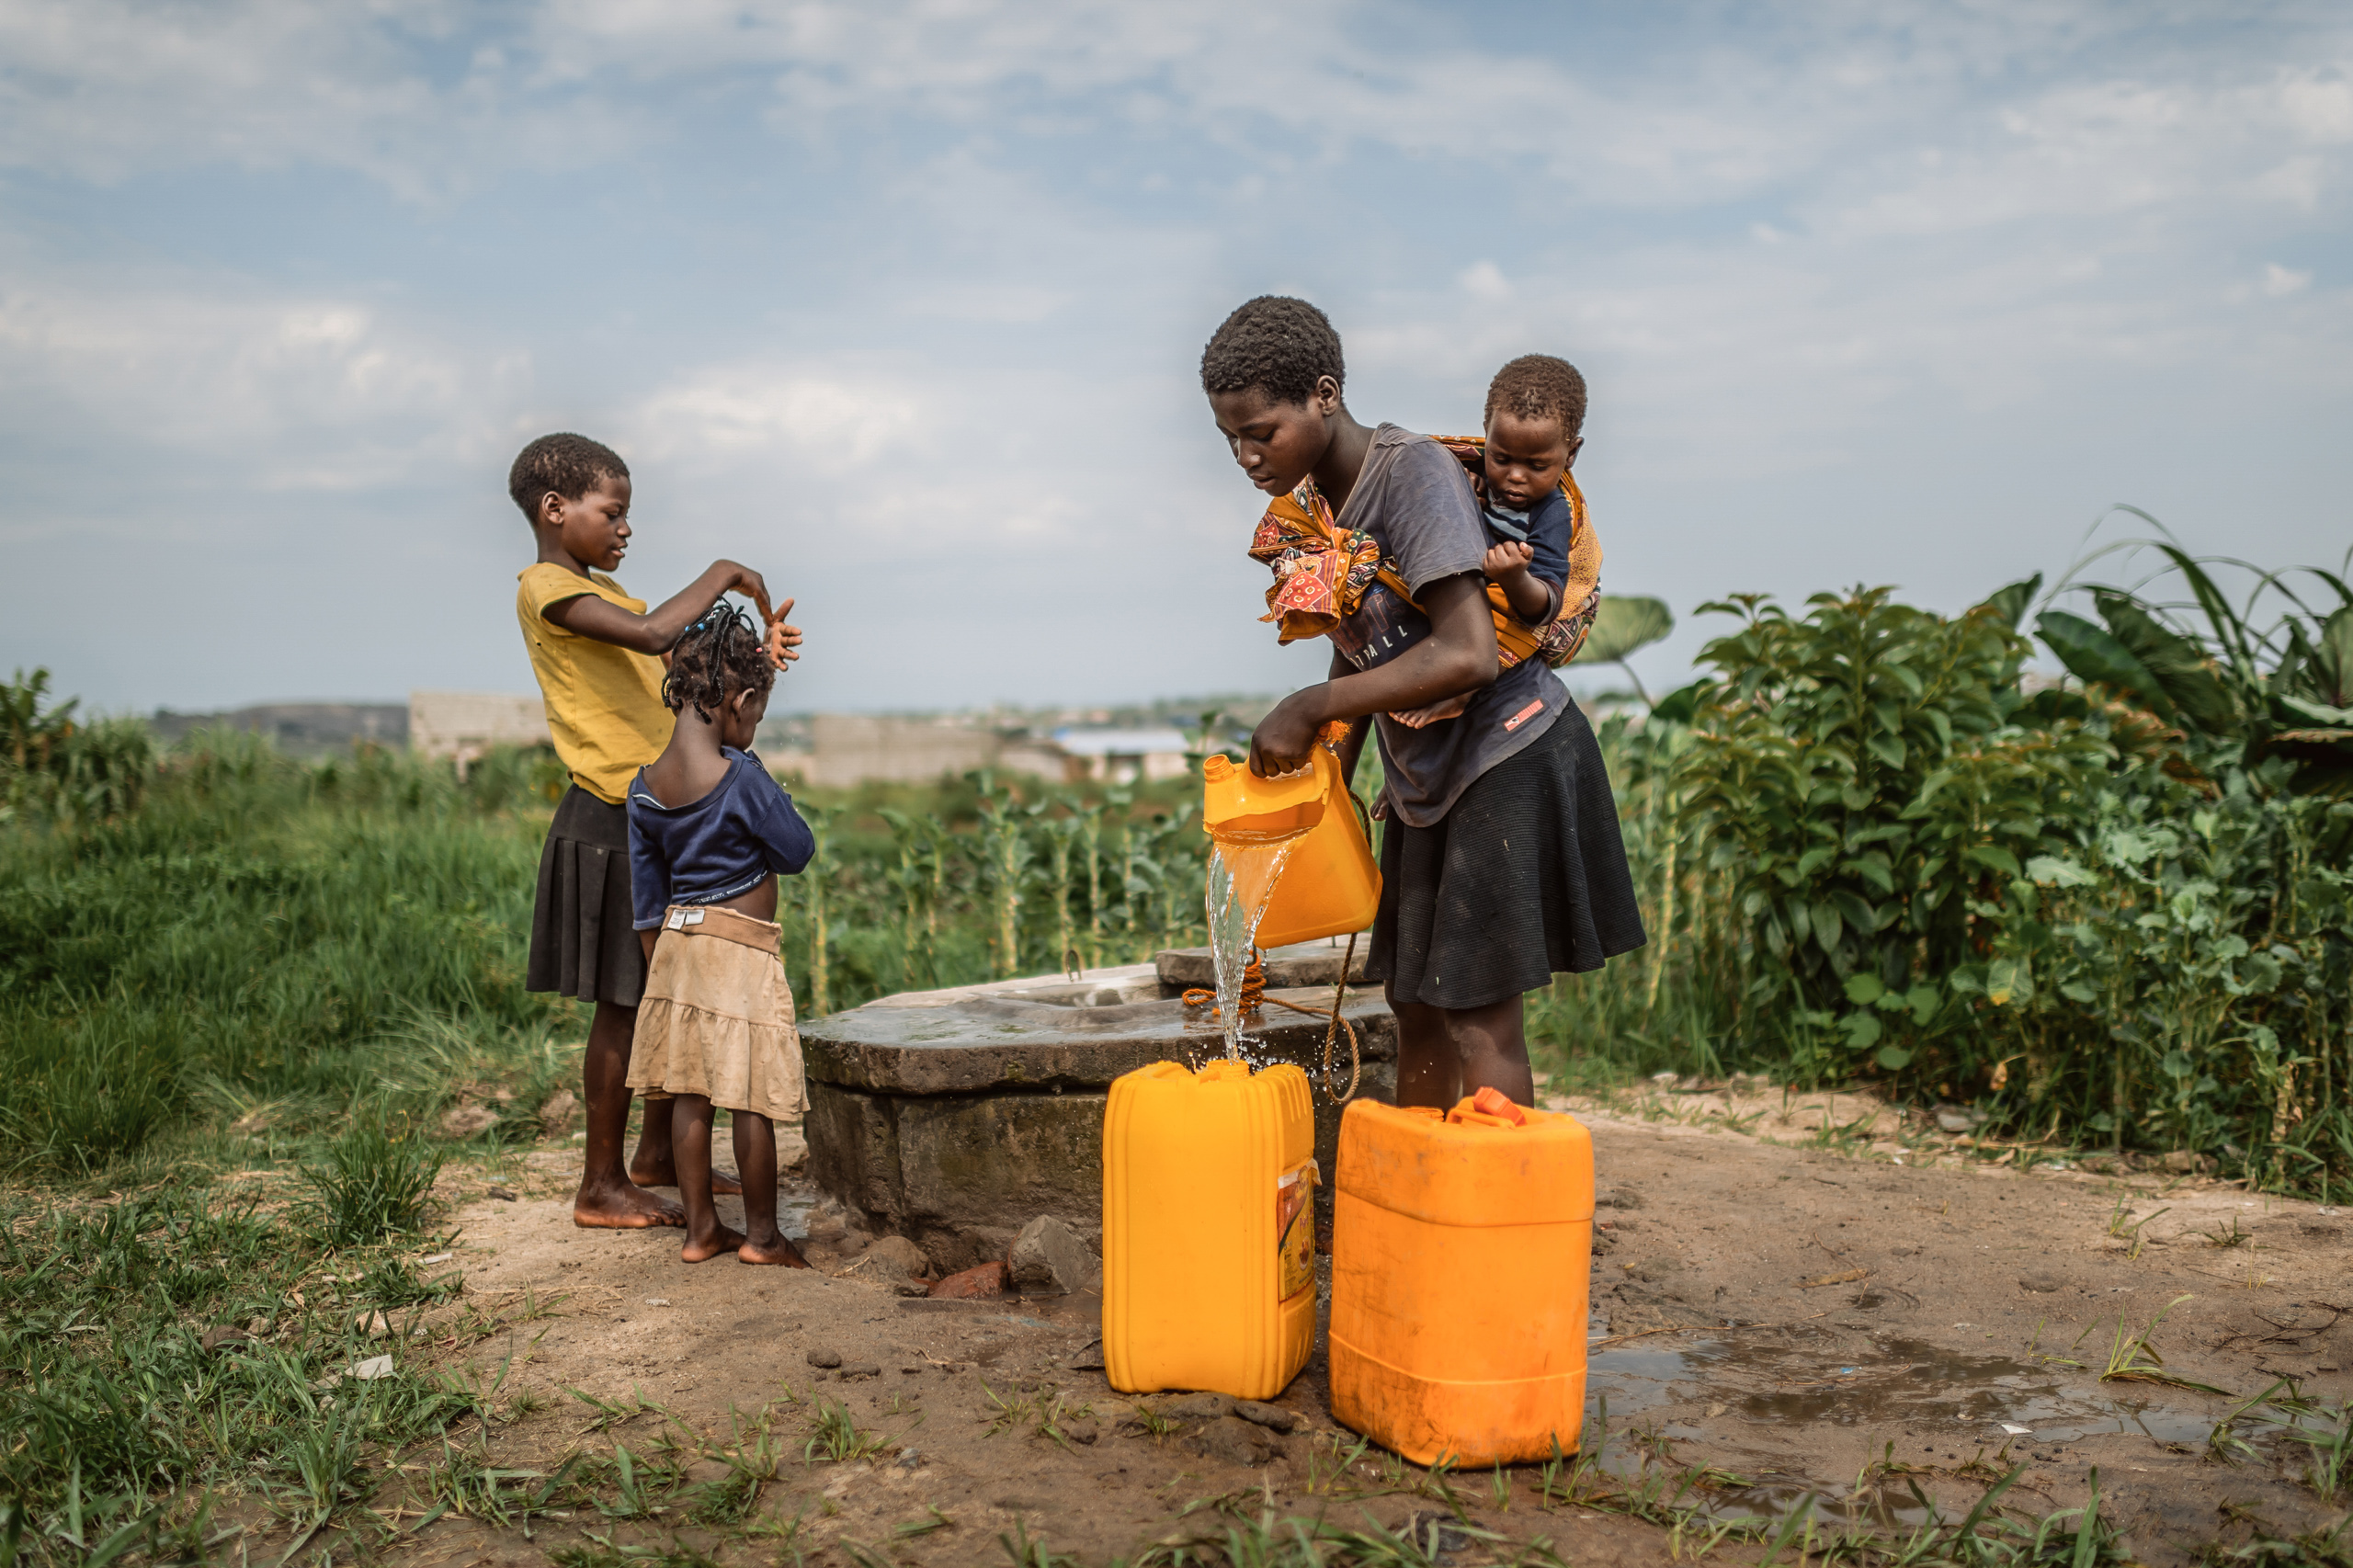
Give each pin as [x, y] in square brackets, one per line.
[717, 657]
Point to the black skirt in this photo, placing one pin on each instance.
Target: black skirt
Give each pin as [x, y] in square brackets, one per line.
[582, 943]
[1524, 878]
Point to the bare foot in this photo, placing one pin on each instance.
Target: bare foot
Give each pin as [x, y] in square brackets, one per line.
[721, 1240]
[623, 1209]
[722, 1183]
[780, 1251]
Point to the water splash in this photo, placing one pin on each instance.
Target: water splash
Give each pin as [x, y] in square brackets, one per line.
[1244, 868]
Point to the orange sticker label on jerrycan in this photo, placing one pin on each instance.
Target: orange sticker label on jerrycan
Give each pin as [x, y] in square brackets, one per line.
[1209, 1256]
[1460, 1245]
[1328, 885]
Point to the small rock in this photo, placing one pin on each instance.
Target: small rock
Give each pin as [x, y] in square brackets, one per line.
[828, 1358]
[1618, 1197]
[1958, 1119]
[1083, 1432]
[1087, 1360]
[500, 1193]
[859, 1369]
[894, 1258]
[1232, 1440]
[911, 1288]
[375, 1367]
[2042, 1281]
[224, 1337]
[1049, 1255]
[1651, 1270]
[973, 1284]
[373, 1326]
[560, 1110]
[2188, 1162]
[465, 1120]
[909, 1458]
[1266, 1415]
[1192, 1406]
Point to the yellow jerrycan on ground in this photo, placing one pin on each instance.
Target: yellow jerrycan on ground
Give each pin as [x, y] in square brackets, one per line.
[1328, 886]
[1459, 1249]
[1208, 1229]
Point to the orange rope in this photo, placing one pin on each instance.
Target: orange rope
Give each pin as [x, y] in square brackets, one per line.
[1254, 998]
[1254, 991]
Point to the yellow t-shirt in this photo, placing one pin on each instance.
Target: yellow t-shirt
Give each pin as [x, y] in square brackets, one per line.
[604, 702]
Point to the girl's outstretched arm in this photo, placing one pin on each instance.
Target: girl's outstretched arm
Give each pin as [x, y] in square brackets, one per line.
[1459, 656]
[659, 628]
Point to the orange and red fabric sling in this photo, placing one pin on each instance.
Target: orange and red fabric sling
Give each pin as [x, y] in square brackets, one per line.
[1322, 571]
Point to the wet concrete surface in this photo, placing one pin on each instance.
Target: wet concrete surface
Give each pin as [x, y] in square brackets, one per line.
[952, 1118]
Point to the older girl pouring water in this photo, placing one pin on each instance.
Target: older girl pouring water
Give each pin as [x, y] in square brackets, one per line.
[1501, 863]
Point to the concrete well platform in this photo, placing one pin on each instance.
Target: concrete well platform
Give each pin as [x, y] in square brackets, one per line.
[953, 1118]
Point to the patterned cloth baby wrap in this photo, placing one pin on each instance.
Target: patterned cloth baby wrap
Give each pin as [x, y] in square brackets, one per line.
[1323, 570]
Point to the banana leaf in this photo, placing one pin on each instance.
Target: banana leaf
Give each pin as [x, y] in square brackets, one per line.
[2092, 655]
[2178, 663]
[2010, 601]
[1624, 623]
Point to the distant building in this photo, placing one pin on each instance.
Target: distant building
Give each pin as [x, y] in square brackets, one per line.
[462, 726]
[1124, 756]
[846, 749]
[298, 728]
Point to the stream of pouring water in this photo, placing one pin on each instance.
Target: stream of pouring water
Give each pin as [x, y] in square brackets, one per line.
[1241, 877]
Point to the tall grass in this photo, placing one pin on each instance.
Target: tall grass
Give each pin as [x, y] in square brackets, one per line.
[262, 942]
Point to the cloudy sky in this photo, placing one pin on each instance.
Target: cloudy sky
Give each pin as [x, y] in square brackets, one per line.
[902, 305]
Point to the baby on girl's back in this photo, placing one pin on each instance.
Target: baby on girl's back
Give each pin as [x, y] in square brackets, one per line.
[1535, 412]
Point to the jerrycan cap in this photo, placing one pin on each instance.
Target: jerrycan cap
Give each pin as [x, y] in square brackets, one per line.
[1488, 1107]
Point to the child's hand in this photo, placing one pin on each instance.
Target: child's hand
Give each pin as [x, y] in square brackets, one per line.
[1506, 560]
[782, 641]
[742, 579]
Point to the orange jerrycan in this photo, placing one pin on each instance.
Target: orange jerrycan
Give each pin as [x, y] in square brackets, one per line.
[1208, 1229]
[1328, 885]
[1460, 1251]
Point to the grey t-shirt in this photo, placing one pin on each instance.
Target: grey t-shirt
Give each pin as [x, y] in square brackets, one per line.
[1414, 497]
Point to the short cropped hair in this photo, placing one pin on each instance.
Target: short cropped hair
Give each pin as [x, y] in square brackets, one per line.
[1535, 385]
[570, 465]
[1282, 346]
[716, 657]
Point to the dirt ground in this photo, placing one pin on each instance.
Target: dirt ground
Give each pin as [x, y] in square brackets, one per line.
[1793, 1295]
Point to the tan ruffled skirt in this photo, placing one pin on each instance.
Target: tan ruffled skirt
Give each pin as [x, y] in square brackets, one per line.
[716, 1017]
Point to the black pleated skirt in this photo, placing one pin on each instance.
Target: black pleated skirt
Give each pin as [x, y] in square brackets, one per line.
[582, 942]
[1525, 878]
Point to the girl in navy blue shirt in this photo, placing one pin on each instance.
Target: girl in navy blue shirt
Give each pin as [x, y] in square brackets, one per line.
[709, 832]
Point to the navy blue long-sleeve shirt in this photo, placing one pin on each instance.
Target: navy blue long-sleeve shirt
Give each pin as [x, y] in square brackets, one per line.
[709, 850]
[1544, 528]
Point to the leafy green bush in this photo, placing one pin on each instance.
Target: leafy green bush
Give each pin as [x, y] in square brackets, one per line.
[2116, 912]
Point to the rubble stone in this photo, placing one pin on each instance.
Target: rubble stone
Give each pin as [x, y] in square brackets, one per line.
[1049, 1255]
[972, 1284]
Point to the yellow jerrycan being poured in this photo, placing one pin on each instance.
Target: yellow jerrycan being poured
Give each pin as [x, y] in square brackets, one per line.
[1294, 847]
[1208, 1229]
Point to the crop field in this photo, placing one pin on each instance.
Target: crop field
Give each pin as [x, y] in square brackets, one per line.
[2114, 913]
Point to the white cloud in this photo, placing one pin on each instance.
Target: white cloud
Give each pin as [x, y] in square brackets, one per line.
[291, 393]
[2280, 282]
[832, 423]
[1484, 280]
